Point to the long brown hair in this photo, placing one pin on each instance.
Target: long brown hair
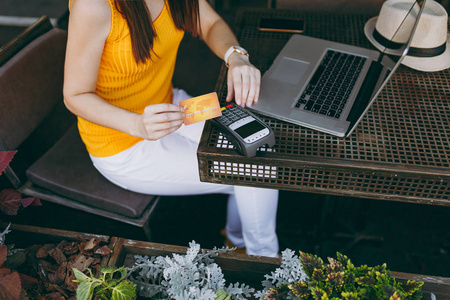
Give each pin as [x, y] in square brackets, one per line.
[185, 14]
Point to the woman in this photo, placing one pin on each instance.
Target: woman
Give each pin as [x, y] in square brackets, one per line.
[119, 65]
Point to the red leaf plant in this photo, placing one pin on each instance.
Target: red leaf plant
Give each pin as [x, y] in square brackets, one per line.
[10, 284]
[5, 159]
[11, 200]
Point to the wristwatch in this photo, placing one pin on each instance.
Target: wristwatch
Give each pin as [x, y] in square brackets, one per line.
[232, 49]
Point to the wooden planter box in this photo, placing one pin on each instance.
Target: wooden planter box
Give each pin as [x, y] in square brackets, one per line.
[236, 267]
[251, 269]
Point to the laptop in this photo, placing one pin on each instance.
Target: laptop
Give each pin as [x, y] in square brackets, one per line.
[329, 86]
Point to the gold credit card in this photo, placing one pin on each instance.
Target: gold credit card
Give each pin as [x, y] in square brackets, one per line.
[201, 108]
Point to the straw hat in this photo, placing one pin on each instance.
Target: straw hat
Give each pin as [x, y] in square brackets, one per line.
[430, 47]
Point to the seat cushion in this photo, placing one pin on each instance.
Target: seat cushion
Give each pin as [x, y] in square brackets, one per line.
[67, 170]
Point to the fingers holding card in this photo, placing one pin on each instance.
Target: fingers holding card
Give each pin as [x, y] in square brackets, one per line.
[201, 108]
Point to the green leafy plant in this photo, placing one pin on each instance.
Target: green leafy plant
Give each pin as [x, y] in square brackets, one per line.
[111, 284]
[340, 279]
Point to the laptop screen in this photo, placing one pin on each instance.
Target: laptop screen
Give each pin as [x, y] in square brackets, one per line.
[400, 42]
[404, 35]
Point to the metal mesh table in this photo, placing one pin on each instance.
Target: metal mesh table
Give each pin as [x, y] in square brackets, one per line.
[400, 151]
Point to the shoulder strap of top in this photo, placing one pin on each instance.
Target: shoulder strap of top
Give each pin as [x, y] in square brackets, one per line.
[116, 17]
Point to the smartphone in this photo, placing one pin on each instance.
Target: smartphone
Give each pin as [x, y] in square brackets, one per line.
[281, 25]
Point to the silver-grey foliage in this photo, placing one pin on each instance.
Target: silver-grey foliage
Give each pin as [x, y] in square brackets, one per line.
[182, 277]
[4, 233]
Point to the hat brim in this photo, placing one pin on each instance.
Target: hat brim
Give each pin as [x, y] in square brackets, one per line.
[426, 64]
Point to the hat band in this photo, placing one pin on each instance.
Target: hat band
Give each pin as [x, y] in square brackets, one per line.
[419, 52]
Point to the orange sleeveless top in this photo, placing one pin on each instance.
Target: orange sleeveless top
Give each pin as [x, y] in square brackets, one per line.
[125, 84]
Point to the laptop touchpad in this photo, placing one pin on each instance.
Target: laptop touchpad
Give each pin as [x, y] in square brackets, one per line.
[289, 70]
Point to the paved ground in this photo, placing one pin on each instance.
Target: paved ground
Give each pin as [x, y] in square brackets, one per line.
[414, 238]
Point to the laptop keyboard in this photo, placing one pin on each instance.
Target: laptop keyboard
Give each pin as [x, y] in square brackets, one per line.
[329, 89]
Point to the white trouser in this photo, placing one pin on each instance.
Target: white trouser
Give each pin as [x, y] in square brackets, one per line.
[169, 167]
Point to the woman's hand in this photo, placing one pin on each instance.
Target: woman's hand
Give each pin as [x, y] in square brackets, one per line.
[244, 80]
[159, 120]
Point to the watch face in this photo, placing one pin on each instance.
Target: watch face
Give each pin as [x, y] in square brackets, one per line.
[240, 50]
